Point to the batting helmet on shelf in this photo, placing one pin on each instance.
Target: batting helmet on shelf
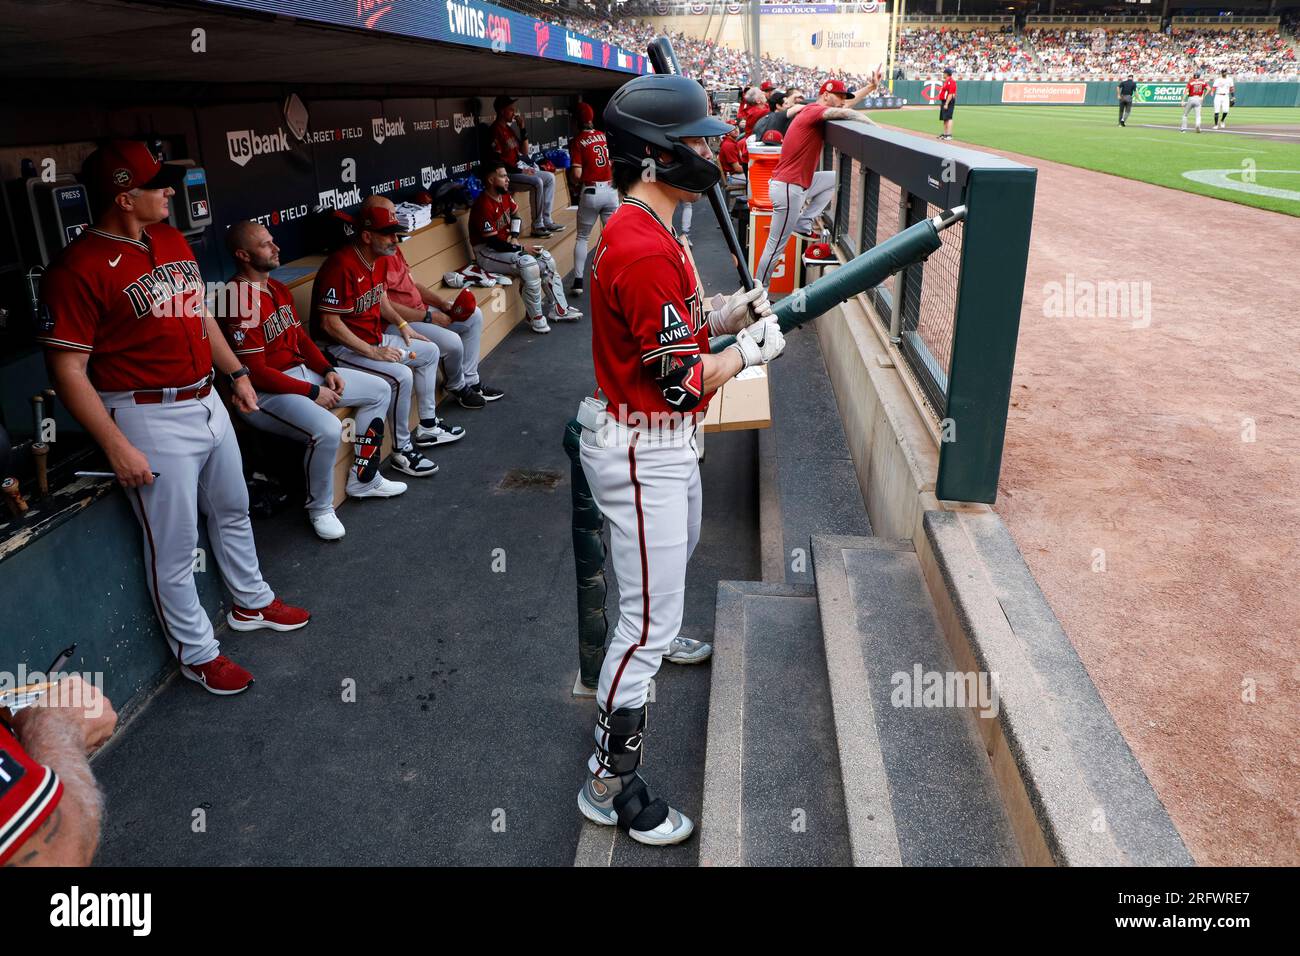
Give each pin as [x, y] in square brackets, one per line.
[648, 117]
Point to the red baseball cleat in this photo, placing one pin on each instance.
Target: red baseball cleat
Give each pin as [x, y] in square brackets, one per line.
[220, 675]
[277, 616]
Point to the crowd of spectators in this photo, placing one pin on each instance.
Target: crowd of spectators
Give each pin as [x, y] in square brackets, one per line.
[990, 53]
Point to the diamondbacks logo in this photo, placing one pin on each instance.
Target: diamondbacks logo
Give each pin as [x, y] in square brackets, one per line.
[244, 144]
[543, 37]
[382, 129]
[173, 289]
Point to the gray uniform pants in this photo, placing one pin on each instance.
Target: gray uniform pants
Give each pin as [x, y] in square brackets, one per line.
[595, 201]
[543, 291]
[1193, 103]
[420, 373]
[301, 419]
[541, 190]
[459, 345]
[192, 446]
[793, 210]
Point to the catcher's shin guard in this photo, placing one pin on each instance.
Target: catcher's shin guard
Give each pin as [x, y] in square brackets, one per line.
[619, 743]
[368, 448]
[589, 563]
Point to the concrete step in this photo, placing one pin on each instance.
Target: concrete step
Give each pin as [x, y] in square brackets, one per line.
[913, 768]
[772, 793]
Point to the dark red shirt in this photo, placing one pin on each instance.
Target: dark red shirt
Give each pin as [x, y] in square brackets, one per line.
[136, 306]
[350, 286]
[489, 218]
[801, 150]
[29, 792]
[591, 152]
[262, 327]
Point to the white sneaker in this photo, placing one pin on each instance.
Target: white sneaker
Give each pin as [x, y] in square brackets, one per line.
[327, 526]
[539, 325]
[412, 463]
[383, 488]
[439, 434]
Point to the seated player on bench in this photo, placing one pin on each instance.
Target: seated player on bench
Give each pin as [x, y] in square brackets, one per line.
[296, 385]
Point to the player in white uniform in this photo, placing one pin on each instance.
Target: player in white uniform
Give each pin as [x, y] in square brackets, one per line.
[650, 346]
[591, 167]
[131, 349]
[297, 386]
[1223, 94]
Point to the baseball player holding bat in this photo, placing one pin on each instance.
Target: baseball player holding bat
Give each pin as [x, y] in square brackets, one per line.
[131, 348]
[654, 370]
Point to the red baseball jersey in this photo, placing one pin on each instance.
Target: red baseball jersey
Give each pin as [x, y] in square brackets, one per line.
[505, 142]
[591, 152]
[729, 153]
[400, 283]
[349, 285]
[262, 327]
[751, 113]
[29, 792]
[801, 150]
[490, 218]
[948, 89]
[1197, 87]
[645, 311]
[135, 305]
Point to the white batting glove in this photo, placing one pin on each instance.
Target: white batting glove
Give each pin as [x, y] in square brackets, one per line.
[732, 314]
[760, 343]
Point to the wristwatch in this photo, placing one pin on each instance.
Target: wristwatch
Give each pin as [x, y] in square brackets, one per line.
[428, 313]
[238, 374]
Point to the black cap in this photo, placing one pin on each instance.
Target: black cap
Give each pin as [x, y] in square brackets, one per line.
[502, 101]
[947, 71]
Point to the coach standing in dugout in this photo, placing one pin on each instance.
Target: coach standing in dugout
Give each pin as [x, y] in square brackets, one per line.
[798, 193]
[511, 147]
[1126, 89]
[131, 349]
[947, 102]
[650, 347]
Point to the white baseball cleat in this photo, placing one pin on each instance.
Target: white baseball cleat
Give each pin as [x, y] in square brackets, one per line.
[683, 650]
[565, 315]
[539, 325]
[383, 488]
[327, 525]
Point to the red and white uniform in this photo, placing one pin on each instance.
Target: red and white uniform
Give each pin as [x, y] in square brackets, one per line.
[287, 369]
[751, 113]
[1196, 90]
[799, 194]
[598, 198]
[29, 792]
[136, 306]
[539, 183]
[506, 143]
[458, 344]
[641, 462]
[351, 286]
[543, 291]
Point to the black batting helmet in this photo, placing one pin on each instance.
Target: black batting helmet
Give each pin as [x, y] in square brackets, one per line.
[650, 116]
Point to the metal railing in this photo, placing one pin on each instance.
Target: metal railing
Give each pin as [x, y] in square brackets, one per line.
[1037, 20]
[1228, 22]
[941, 18]
[953, 319]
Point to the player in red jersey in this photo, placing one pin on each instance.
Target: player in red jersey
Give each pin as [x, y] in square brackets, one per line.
[296, 385]
[650, 345]
[50, 806]
[493, 227]
[1193, 98]
[131, 349]
[729, 154]
[594, 172]
[798, 193]
[353, 309]
[510, 145]
[947, 102]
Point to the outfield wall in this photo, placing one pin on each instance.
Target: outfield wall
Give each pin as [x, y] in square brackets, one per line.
[1084, 93]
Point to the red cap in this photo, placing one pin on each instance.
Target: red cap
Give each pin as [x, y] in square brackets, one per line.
[773, 136]
[463, 306]
[126, 164]
[767, 85]
[585, 113]
[818, 250]
[379, 219]
[833, 86]
[422, 198]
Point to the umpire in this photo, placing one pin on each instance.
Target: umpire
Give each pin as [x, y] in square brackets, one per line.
[1126, 89]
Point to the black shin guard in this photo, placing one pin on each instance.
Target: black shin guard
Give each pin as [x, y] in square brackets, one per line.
[619, 751]
[368, 448]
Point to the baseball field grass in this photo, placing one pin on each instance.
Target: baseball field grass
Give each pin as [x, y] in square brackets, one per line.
[1256, 162]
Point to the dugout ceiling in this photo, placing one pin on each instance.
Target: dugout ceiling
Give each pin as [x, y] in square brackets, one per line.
[120, 45]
